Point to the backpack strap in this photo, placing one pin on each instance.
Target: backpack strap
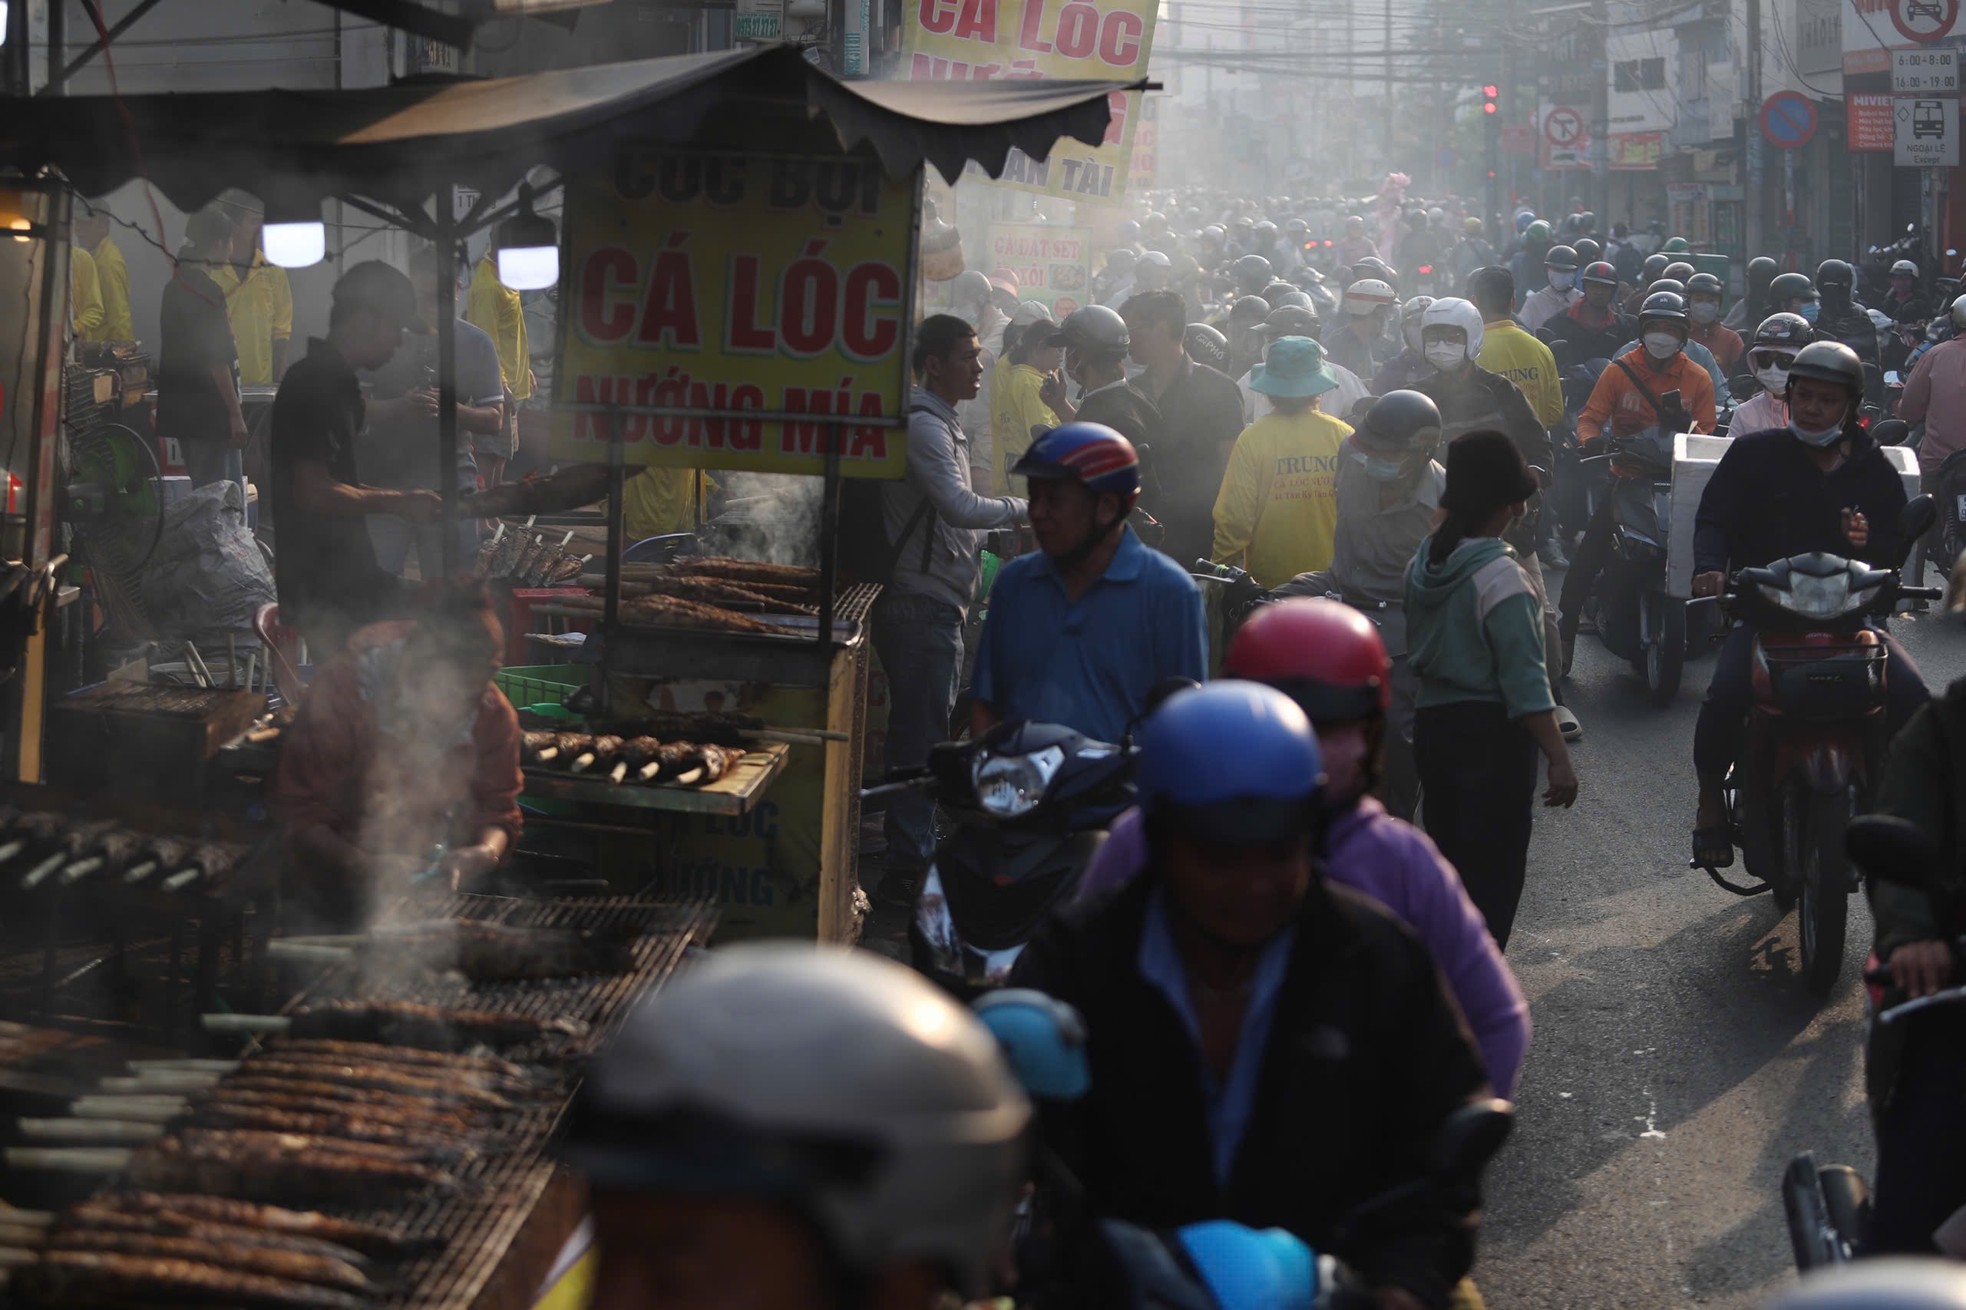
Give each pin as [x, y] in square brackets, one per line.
[1658, 410]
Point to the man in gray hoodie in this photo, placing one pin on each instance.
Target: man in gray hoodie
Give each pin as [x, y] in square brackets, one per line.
[935, 525]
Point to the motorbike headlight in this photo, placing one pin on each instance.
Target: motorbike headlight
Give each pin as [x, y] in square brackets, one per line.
[1010, 786]
[1819, 598]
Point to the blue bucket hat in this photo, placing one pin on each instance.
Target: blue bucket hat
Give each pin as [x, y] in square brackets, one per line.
[1294, 367]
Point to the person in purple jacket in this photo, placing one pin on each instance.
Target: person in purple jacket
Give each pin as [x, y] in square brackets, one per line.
[1329, 659]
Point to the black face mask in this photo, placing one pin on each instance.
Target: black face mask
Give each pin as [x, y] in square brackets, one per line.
[1834, 295]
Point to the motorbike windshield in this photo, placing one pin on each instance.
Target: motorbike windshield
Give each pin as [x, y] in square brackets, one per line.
[1010, 786]
[1820, 598]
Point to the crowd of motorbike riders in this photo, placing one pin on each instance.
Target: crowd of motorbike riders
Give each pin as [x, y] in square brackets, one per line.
[1214, 1050]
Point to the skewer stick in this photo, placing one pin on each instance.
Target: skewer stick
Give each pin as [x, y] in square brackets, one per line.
[10, 850]
[199, 673]
[648, 771]
[548, 755]
[159, 1081]
[14, 1257]
[231, 661]
[619, 772]
[105, 1131]
[69, 1159]
[139, 1067]
[81, 869]
[305, 952]
[39, 873]
[260, 735]
[145, 1109]
[137, 872]
[252, 668]
[29, 1218]
[246, 1023]
[183, 878]
[690, 776]
[581, 763]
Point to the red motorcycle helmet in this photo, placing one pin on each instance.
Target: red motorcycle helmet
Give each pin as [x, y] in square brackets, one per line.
[1323, 654]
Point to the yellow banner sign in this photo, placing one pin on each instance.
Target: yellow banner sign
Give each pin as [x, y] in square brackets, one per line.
[736, 312]
[1102, 40]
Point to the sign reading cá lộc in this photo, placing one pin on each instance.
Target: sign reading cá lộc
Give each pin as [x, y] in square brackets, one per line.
[736, 312]
[1103, 40]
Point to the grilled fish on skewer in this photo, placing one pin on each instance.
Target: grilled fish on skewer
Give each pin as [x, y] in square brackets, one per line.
[408, 1112]
[296, 1083]
[105, 1279]
[442, 1060]
[266, 1165]
[488, 551]
[716, 591]
[34, 828]
[375, 1077]
[424, 1143]
[260, 1142]
[105, 1214]
[114, 852]
[271, 1262]
[725, 566]
[673, 611]
[540, 747]
[600, 751]
[411, 1024]
[367, 1238]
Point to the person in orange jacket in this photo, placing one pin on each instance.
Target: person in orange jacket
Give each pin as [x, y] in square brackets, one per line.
[1630, 397]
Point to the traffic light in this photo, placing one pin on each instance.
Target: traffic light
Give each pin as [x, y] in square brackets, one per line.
[1489, 95]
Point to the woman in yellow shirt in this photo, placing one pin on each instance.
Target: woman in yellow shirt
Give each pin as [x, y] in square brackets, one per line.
[1277, 511]
[1019, 403]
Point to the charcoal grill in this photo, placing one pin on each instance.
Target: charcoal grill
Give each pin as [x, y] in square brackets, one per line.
[499, 1233]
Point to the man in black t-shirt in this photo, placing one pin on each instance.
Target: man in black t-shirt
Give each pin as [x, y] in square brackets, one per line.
[1200, 419]
[325, 566]
[198, 363]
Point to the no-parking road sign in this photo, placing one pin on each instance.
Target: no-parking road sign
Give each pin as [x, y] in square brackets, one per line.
[1563, 126]
[1788, 119]
[1923, 21]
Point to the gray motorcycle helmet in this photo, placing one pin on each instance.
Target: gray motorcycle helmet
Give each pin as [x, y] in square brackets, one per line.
[1098, 330]
[1830, 361]
[835, 1082]
[1400, 423]
[1892, 1284]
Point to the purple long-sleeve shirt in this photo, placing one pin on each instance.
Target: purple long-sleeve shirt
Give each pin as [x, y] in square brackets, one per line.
[1371, 852]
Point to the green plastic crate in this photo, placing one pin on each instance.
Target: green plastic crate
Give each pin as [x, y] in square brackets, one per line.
[538, 688]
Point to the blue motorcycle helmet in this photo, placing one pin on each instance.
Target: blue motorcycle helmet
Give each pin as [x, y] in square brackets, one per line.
[1091, 454]
[1231, 763]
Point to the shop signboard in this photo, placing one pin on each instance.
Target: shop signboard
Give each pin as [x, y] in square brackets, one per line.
[758, 20]
[1869, 126]
[1926, 132]
[736, 312]
[1105, 40]
[1635, 150]
[1052, 265]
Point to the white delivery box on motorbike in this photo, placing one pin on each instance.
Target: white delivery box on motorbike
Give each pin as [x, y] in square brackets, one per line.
[1694, 456]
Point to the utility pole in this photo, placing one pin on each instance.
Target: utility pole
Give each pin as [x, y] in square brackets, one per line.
[57, 46]
[1751, 216]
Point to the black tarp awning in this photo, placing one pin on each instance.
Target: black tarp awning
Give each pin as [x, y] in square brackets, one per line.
[398, 144]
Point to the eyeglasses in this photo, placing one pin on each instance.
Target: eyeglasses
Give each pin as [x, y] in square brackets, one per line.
[1772, 358]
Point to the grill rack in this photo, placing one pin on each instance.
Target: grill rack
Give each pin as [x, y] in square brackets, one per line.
[504, 1186]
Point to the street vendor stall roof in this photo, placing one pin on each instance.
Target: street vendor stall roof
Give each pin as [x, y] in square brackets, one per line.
[397, 143]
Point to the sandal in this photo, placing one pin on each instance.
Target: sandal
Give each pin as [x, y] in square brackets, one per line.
[1713, 848]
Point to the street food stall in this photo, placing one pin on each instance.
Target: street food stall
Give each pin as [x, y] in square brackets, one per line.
[362, 1119]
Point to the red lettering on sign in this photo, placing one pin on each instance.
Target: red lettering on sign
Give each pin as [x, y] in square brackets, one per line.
[608, 273]
[745, 335]
[1120, 38]
[865, 332]
[1078, 30]
[978, 21]
[1028, 37]
[937, 16]
[669, 308]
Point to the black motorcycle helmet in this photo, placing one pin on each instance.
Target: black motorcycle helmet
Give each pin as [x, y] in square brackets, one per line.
[1761, 271]
[1588, 250]
[1276, 289]
[1791, 286]
[1248, 311]
[1400, 423]
[1703, 284]
[1679, 270]
[1561, 258]
[1654, 268]
[1207, 346]
[1292, 321]
[1830, 361]
[1666, 284]
[1835, 274]
[1601, 272]
[1783, 332]
[1252, 273]
[1663, 306]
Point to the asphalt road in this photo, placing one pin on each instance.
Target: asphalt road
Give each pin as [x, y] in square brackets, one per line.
[1678, 1061]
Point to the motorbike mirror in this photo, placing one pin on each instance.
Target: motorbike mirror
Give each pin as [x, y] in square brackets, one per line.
[1744, 385]
[1916, 519]
[1894, 849]
[1470, 1137]
[1890, 432]
[1894, 379]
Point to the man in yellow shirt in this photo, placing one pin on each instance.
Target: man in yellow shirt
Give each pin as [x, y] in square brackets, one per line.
[84, 296]
[1277, 512]
[496, 308]
[112, 275]
[1525, 361]
[1027, 371]
[260, 300]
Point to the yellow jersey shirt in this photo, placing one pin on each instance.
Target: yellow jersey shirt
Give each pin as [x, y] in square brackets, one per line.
[262, 307]
[496, 308]
[1015, 410]
[84, 296]
[113, 279]
[1278, 507]
[1527, 362]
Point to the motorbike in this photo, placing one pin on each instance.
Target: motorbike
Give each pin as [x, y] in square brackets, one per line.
[1828, 1206]
[1816, 731]
[1636, 619]
[1229, 595]
[1031, 802]
[1066, 1257]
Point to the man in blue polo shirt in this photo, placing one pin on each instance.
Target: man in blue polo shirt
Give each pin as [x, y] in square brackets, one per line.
[1079, 633]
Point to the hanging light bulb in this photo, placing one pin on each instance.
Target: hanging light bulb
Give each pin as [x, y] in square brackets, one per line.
[293, 235]
[528, 248]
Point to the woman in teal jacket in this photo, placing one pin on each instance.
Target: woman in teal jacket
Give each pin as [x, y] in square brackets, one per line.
[1475, 637]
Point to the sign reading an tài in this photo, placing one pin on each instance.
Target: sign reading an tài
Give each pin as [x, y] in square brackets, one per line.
[1106, 40]
[736, 312]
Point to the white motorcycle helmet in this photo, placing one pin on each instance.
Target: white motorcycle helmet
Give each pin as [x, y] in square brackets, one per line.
[1892, 1284]
[1452, 311]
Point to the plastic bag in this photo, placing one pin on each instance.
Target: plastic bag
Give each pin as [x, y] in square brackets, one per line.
[207, 577]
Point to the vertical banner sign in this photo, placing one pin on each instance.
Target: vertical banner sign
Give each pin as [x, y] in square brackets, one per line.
[1053, 265]
[736, 312]
[1100, 40]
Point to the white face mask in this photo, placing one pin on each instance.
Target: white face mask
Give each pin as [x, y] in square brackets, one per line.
[1704, 311]
[1774, 380]
[1661, 345]
[1562, 281]
[1446, 357]
[1825, 437]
